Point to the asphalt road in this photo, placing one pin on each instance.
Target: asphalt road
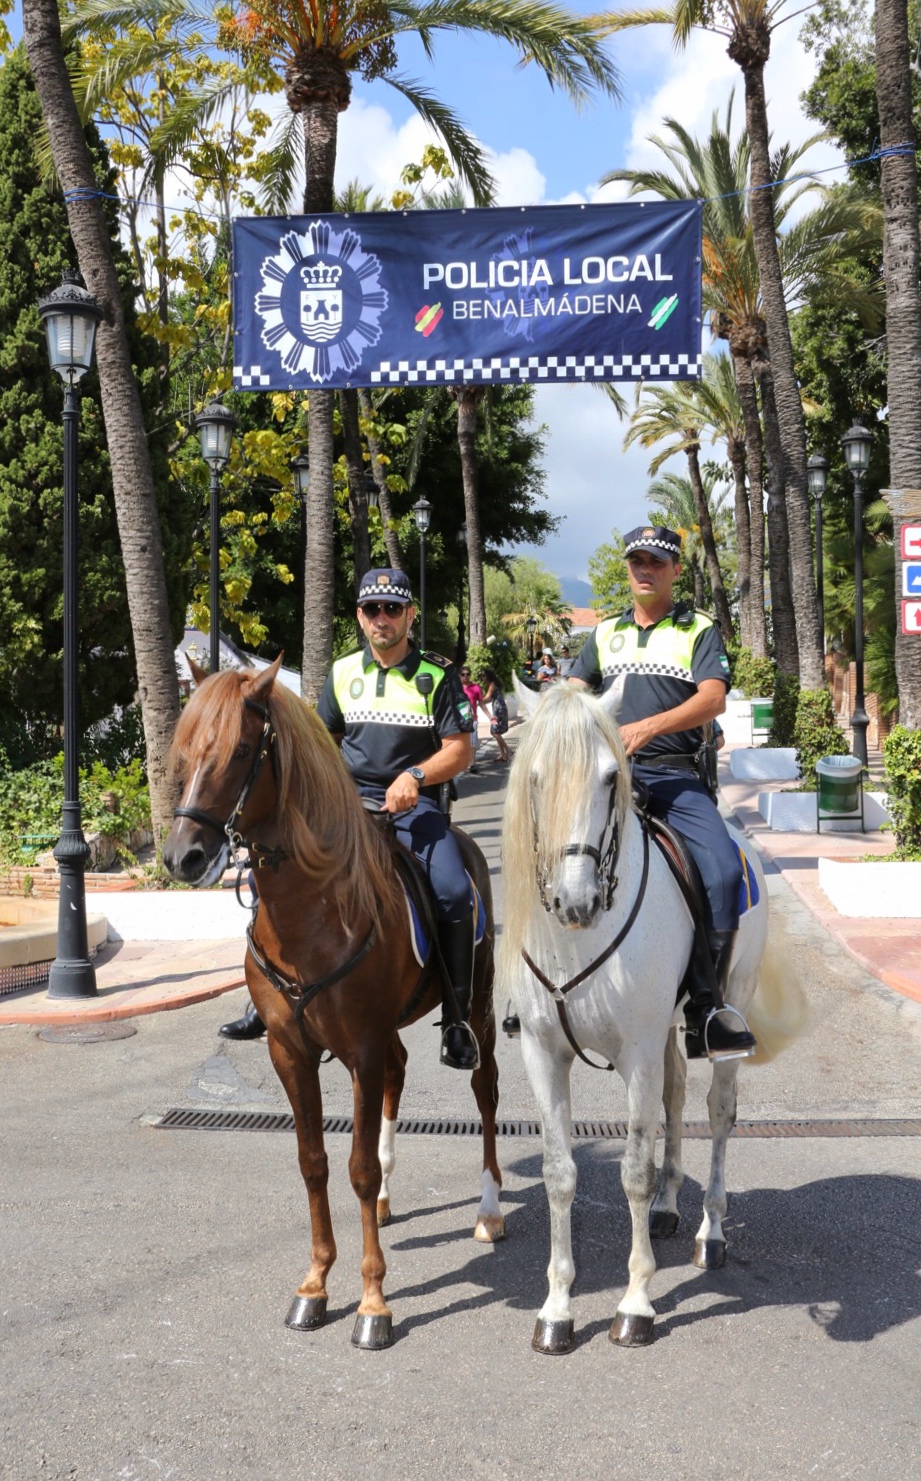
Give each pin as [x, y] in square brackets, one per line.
[146, 1273]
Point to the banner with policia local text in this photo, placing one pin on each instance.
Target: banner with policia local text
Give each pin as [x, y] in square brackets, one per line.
[543, 294]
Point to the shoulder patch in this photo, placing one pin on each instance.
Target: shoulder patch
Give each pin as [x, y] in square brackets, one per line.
[438, 660]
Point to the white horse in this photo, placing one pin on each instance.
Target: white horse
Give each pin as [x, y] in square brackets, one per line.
[592, 907]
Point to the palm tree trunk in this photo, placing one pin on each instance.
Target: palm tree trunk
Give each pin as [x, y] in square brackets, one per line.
[751, 49]
[720, 602]
[132, 481]
[320, 121]
[783, 617]
[903, 313]
[358, 498]
[391, 538]
[754, 460]
[736, 450]
[700, 591]
[468, 399]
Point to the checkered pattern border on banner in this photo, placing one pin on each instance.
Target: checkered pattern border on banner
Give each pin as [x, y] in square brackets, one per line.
[516, 367]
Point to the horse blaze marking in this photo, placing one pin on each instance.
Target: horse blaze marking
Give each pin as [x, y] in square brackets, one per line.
[179, 1118]
[428, 318]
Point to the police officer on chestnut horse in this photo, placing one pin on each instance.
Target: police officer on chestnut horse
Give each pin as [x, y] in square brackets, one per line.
[404, 725]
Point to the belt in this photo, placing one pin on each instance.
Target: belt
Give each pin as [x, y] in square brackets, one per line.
[677, 762]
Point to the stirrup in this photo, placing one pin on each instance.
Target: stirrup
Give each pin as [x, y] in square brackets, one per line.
[744, 1047]
[465, 1029]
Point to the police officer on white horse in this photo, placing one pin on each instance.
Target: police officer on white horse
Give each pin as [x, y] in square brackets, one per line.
[669, 662]
[404, 725]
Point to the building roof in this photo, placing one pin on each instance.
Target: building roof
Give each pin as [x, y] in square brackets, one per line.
[584, 619]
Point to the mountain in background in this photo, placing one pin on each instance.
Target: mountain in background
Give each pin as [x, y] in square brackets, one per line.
[577, 593]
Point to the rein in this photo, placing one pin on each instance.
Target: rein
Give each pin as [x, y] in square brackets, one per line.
[262, 857]
[559, 993]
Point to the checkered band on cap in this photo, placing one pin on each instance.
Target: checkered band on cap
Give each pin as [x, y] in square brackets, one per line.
[385, 585]
[657, 538]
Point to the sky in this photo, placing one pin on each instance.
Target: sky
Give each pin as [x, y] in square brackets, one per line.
[544, 151]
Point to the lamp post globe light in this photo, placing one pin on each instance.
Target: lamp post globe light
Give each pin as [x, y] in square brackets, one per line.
[372, 492]
[70, 315]
[422, 514]
[857, 442]
[300, 467]
[817, 477]
[215, 428]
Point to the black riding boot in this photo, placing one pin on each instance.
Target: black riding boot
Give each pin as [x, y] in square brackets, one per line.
[711, 1030]
[459, 1048]
[250, 1026]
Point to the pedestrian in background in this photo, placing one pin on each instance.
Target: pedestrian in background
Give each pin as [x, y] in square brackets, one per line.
[498, 725]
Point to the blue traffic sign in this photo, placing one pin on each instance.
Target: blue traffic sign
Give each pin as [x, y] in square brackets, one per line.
[911, 579]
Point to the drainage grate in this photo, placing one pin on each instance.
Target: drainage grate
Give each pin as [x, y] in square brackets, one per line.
[179, 1119]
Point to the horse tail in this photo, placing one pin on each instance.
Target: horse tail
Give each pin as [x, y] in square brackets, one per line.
[779, 1011]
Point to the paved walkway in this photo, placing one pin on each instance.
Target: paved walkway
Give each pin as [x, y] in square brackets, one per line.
[152, 976]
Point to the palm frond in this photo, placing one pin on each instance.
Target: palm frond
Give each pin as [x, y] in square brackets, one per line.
[465, 153]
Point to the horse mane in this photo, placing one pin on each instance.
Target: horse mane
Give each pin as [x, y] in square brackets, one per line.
[555, 761]
[318, 816]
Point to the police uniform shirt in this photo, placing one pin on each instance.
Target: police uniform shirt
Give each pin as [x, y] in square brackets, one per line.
[387, 725]
[657, 669]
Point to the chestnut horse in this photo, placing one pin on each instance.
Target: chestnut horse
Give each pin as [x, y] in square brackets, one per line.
[330, 962]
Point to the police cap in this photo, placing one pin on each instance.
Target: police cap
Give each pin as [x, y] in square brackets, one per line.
[386, 585]
[657, 538]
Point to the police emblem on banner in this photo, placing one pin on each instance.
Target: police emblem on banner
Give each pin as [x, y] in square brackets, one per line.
[320, 302]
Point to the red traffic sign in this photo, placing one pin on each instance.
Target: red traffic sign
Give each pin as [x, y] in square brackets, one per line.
[911, 542]
[911, 617]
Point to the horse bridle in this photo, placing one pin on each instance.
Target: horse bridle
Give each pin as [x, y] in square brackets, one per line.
[236, 841]
[606, 860]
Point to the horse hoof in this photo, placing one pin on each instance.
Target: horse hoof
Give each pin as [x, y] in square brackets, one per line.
[373, 1332]
[663, 1223]
[306, 1314]
[489, 1229]
[553, 1338]
[383, 1212]
[710, 1254]
[628, 1330]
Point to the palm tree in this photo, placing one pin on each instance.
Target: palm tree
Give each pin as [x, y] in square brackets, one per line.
[673, 497]
[319, 45]
[812, 251]
[903, 306]
[132, 480]
[671, 412]
[748, 26]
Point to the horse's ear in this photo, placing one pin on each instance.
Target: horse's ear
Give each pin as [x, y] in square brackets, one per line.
[262, 686]
[610, 700]
[527, 699]
[198, 674]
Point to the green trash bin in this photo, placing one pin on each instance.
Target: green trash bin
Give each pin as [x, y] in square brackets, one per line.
[762, 716]
[839, 788]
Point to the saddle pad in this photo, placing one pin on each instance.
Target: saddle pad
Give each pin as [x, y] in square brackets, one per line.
[417, 932]
[749, 893]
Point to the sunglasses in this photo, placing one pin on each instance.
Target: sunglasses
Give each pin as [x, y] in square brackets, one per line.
[391, 609]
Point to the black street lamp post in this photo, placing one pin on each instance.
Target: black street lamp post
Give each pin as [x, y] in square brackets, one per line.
[215, 427]
[300, 467]
[817, 475]
[857, 442]
[422, 514]
[70, 315]
[531, 625]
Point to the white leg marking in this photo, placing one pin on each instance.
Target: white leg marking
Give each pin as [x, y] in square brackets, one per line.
[490, 1223]
[387, 1152]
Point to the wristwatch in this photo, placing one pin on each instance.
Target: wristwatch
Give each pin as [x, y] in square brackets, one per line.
[418, 773]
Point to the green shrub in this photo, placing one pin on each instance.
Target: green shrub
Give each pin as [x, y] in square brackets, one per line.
[816, 733]
[754, 676]
[786, 701]
[31, 801]
[903, 774]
